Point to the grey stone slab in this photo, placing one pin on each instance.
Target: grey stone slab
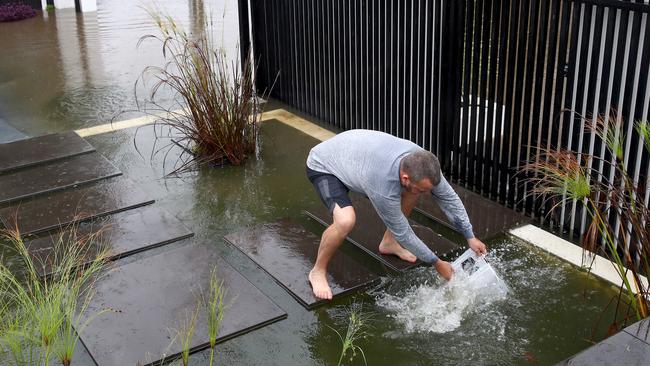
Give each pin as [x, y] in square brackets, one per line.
[640, 329]
[619, 349]
[61, 208]
[57, 175]
[369, 230]
[9, 134]
[122, 234]
[488, 218]
[148, 298]
[287, 252]
[42, 149]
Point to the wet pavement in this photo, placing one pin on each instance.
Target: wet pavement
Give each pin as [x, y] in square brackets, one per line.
[55, 176]
[369, 230]
[59, 209]
[119, 235]
[287, 251]
[150, 298]
[42, 149]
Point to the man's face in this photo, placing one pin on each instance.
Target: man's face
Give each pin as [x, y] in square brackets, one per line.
[420, 187]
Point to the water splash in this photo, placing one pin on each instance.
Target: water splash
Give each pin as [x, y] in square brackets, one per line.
[438, 306]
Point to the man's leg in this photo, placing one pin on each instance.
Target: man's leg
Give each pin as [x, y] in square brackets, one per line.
[388, 243]
[333, 236]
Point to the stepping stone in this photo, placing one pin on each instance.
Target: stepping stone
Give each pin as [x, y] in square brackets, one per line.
[42, 149]
[488, 218]
[369, 230]
[9, 134]
[58, 175]
[287, 252]
[59, 209]
[121, 234]
[148, 298]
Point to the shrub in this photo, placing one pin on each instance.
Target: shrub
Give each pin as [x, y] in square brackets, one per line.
[15, 11]
[216, 118]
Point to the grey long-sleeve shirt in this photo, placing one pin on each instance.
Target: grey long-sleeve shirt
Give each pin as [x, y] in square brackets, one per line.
[368, 162]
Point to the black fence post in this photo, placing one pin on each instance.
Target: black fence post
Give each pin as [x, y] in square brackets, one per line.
[244, 32]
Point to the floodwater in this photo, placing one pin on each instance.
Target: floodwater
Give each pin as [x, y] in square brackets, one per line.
[550, 309]
[65, 70]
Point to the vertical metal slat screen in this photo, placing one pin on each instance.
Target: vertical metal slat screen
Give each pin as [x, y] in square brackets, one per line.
[355, 64]
[484, 84]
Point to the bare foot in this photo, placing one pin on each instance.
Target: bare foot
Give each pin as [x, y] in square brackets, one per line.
[319, 285]
[394, 248]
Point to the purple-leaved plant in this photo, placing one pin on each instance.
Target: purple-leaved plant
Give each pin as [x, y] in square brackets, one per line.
[15, 11]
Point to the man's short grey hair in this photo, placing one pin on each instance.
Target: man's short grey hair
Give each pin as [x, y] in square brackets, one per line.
[420, 165]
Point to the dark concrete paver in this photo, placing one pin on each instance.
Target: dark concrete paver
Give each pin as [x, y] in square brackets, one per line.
[42, 149]
[142, 302]
[59, 209]
[369, 230]
[57, 175]
[287, 252]
[488, 217]
[121, 234]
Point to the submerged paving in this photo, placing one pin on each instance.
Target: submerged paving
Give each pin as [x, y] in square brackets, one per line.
[8, 133]
[488, 218]
[287, 252]
[630, 346]
[369, 230]
[62, 208]
[121, 235]
[57, 175]
[148, 298]
[42, 149]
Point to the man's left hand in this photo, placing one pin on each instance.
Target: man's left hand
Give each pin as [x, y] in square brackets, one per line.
[477, 246]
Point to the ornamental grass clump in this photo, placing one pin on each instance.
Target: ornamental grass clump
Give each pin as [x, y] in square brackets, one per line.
[15, 11]
[40, 317]
[214, 116]
[602, 185]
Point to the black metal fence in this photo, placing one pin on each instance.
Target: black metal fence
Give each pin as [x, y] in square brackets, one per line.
[481, 83]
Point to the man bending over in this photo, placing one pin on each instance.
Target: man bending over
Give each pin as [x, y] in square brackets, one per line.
[392, 173]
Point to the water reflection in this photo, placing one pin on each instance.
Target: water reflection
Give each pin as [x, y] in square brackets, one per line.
[197, 16]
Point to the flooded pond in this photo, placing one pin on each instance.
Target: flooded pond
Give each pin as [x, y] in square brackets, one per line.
[548, 313]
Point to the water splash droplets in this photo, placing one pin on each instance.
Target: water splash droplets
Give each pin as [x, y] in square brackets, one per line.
[439, 306]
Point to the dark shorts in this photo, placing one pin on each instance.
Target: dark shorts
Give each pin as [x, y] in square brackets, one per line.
[330, 189]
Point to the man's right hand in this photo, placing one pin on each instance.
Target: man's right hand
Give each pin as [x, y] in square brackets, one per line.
[444, 269]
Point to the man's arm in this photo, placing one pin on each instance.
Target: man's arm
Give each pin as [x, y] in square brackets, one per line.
[453, 207]
[390, 212]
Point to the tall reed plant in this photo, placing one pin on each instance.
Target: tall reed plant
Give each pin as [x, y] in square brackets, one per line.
[41, 316]
[619, 221]
[215, 114]
[358, 324]
[215, 307]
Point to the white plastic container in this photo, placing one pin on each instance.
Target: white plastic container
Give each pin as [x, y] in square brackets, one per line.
[481, 274]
